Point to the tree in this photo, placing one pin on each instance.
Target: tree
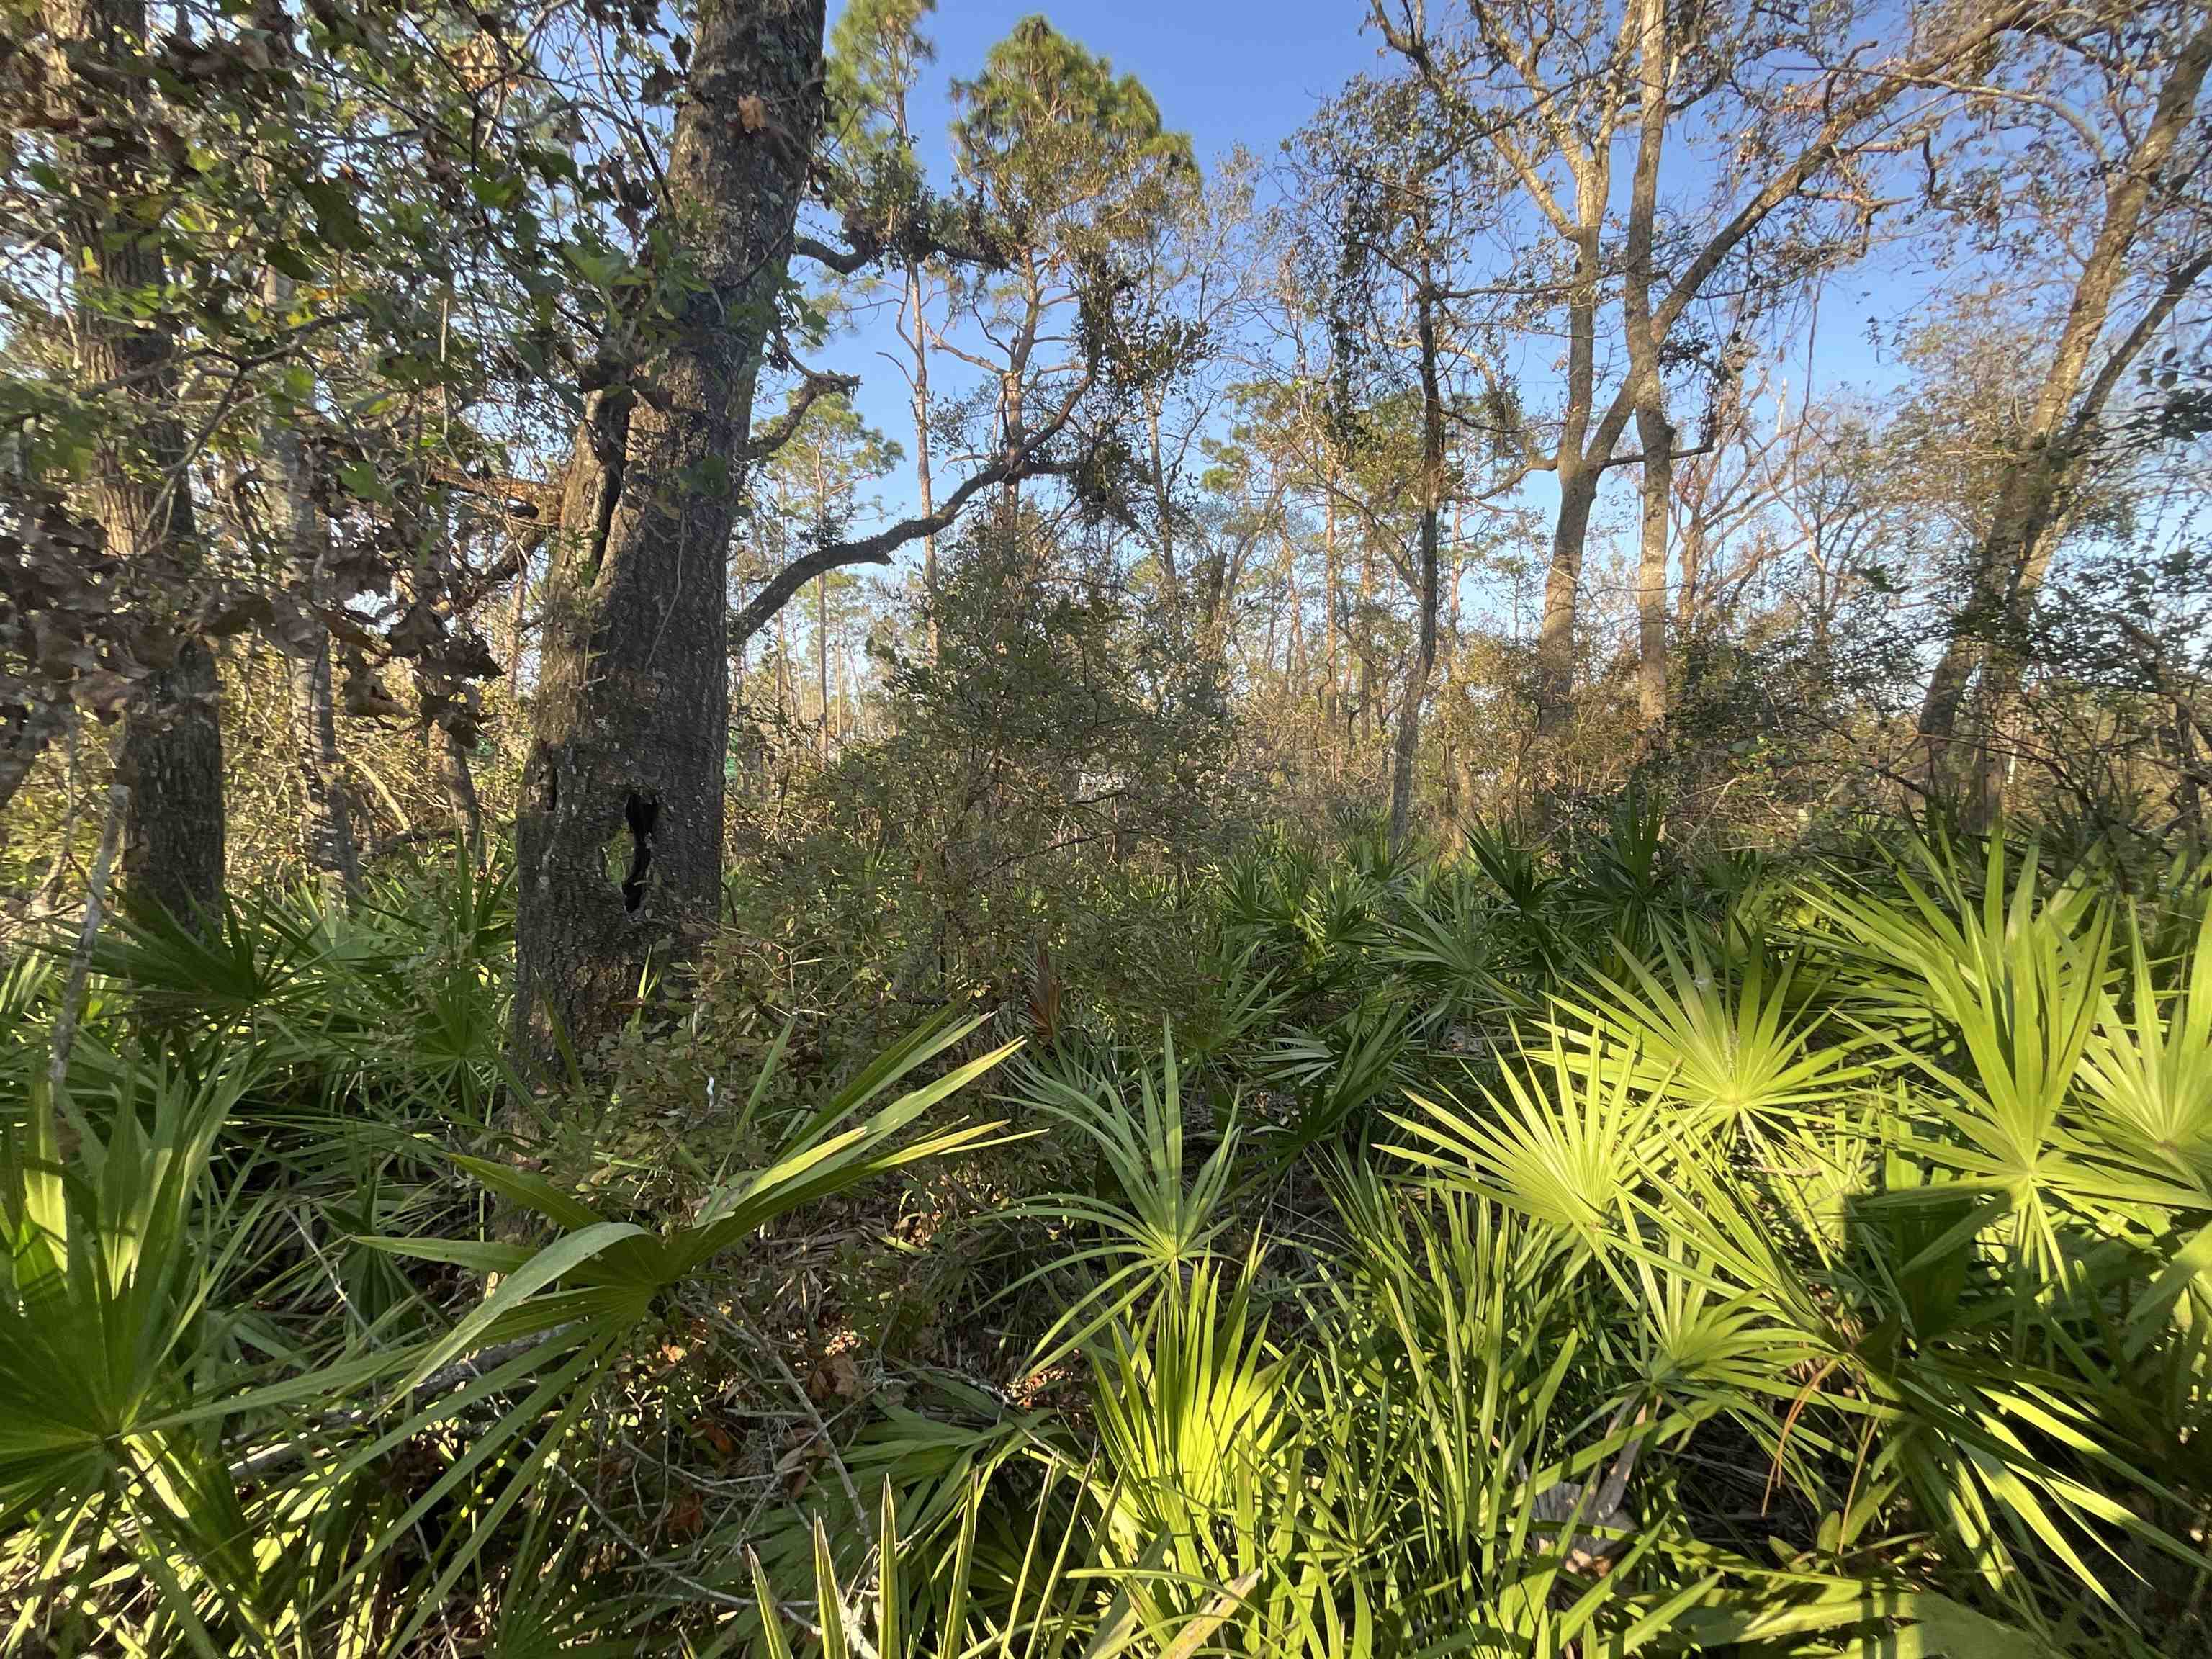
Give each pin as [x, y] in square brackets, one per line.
[171, 750]
[619, 832]
[328, 828]
[877, 54]
[1071, 167]
[1551, 88]
[300, 311]
[2144, 151]
[1398, 196]
[1195, 275]
[822, 467]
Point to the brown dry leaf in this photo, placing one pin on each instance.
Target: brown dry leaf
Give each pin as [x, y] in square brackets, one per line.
[796, 1466]
[752, 111]
[686, 1516]
[835, 1376]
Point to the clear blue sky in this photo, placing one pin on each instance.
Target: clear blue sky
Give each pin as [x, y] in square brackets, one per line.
[1225, 71]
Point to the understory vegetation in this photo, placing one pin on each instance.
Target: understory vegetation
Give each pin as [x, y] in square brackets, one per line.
[1364, 829]
[1501, 1250]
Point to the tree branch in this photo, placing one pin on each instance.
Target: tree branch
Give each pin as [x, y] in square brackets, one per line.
[1026, 461]
[780, 431]
[846, 262]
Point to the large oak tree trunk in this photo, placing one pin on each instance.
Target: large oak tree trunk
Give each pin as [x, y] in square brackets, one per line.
[171, 755]
[619, 831]
[172, 758]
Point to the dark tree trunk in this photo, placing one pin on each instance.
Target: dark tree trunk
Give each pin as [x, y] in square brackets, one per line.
[1424, 658]
[619, 830]
[171, 756]
[25, 733]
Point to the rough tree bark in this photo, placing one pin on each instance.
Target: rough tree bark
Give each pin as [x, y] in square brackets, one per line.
[619, 830]
[170, 757]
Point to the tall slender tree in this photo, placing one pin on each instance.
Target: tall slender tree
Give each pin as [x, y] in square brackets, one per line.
[878, 52]
[1553, 92]
[1072, 167]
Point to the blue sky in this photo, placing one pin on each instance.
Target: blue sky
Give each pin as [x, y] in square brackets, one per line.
[1232, 72]
[1225, 71]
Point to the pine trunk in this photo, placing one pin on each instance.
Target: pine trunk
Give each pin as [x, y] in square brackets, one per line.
[619, 831]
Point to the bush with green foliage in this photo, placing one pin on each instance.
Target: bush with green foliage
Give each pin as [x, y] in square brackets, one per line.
[1520, 1252]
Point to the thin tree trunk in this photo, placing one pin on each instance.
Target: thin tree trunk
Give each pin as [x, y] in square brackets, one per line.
[64, 1042]
[1366, 643]
[1334, 697]
[1432, 487]
[458, 779]
[1169, 577]
[822, 664]
[921, 444]
[787, 697]
[1653, 430]
[518, 613]
[1578, 471]
[48, 898]
[619, 830]
[327, 829]
[1012, 398]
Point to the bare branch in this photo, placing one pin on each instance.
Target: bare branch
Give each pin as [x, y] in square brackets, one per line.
[811, 387]
[1028, 461]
